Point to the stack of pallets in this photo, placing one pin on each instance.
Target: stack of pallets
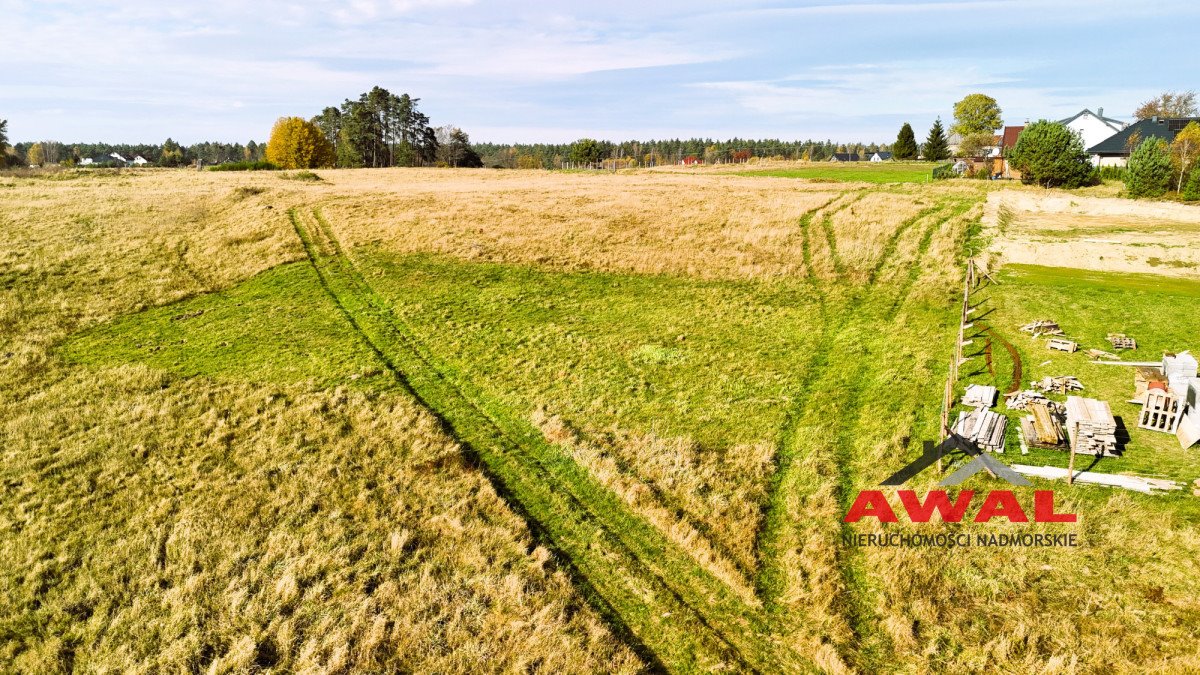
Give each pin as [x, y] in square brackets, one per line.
[1091, 426]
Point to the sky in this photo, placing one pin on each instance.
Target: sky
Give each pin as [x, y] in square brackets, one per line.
[515, 71]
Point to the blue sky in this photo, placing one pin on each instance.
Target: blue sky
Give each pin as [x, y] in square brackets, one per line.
[142, 70]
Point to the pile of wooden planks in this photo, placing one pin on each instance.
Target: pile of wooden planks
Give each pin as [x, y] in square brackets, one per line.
[1043, 427]
[979, 396]
[1042, 327]
[1059, 385]
[982, 427]
[1091, 427]
[1121, 341]
[1020, 400]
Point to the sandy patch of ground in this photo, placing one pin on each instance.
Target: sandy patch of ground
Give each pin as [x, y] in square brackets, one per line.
[1110, 235]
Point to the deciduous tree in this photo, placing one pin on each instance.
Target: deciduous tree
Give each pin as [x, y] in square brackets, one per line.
[1185, 150]
[1050, 155]
[1149, 171]
[976, 114]
[1168, 104]
[298, 144]
[36, 156]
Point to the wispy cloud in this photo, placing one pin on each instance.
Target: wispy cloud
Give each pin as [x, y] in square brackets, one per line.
[525, 70]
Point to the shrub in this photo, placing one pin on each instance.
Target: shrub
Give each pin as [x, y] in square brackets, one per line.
[244, 166]
[1191, 189]
[1113, 173]
[1050, 155]
[1149, 173]
[302, 175]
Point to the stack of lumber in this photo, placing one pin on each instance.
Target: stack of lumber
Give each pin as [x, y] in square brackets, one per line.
[1059, 385]
[1091, 426]
[1043, 428]
[979, 396]
[1121, 341]
[1042, 327]
[983, 427]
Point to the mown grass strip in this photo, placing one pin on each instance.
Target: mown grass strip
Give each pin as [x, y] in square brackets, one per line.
[681, 615]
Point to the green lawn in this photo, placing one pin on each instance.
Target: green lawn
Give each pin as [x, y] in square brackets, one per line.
[865, 172]
[1159, 312]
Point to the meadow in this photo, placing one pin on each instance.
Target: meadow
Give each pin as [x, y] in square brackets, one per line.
[886, 172]
[429, 420]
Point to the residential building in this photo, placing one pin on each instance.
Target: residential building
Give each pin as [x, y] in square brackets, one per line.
[1114, 150]
[1093, 127]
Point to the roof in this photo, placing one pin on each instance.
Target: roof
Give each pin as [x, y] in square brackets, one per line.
[1116, 125]
[1155, 127]
[1009, 138]
[845, 156]
[883, 155]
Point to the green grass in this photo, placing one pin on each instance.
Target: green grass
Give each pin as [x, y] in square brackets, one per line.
[277, 327]
[866, 172]
[1089, 305]
[713, 360]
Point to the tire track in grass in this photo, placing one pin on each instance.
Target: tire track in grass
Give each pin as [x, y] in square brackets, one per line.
[870, 646]
[677, 614]
[769, 582]
[850, 323]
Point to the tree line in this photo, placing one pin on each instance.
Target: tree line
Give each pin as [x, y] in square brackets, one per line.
[168, 153]
[588, 152]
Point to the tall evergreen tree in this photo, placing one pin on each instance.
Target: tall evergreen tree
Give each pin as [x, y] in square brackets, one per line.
[906, 144]
[936, 148]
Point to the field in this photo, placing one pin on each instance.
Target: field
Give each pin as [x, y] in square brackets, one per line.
[427, 420]
[887, 172]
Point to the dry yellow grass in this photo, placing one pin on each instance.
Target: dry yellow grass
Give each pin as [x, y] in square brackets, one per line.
[152, 521]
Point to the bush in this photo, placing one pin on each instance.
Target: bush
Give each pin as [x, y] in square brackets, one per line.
[1113, 173]
[1191, 189]
[1150, 170]
[1051, 155]
[244, 166]
[302, 175]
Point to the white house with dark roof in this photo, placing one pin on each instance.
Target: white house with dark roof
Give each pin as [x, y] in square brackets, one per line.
[1093, 127]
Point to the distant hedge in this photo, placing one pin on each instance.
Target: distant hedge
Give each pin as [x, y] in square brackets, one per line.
[244, 166]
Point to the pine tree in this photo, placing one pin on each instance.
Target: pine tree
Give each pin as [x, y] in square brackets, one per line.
[906, 144]
[1051, 155]
[936, 149]
[1150, 169]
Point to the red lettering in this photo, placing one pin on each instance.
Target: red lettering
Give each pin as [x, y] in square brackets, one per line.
[871, 503]
[1043, 509]
[1001, 503]
[936, 500]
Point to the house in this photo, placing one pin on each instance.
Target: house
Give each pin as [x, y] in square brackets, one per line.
[880, 157]
[140, 161]
[845, 157]
[1008, 140]
[1114, 150]
[1093, 127]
